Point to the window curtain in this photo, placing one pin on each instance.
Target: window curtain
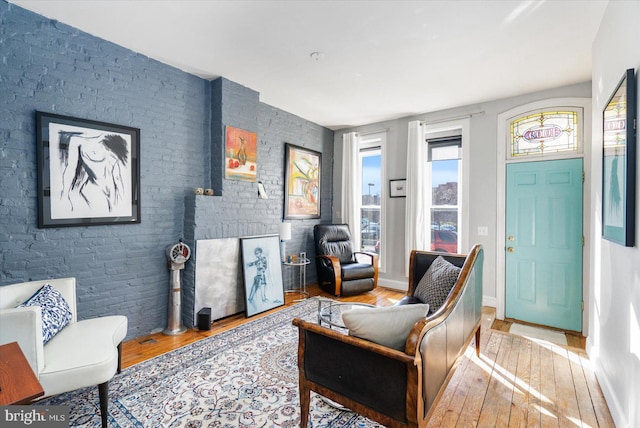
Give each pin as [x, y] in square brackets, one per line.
[350, 184]
[416, 227]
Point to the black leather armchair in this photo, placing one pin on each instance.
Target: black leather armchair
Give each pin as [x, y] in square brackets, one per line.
[341, 270]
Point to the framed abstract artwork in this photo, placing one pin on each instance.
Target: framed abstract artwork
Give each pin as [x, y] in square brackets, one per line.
[88, 172]
[241, 154]
[619, 163]
[262, 273]
[302, 183]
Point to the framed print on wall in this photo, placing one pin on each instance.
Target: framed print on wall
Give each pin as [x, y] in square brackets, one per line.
[241, 154]
[88, 172]
[262, 273]
[302, 183]
[398, 188]
[619, 163]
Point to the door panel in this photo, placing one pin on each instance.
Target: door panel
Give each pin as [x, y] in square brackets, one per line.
[544, 243]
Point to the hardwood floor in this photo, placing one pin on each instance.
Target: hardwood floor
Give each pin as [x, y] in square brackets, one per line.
[514, 382]
[149, 346]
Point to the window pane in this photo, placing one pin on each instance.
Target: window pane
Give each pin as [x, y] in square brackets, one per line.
[544, 133]
[371, 191]
[445, 165]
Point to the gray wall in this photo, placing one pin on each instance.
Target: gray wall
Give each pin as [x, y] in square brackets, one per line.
[483, 177]
[121, 269]
[614, 291]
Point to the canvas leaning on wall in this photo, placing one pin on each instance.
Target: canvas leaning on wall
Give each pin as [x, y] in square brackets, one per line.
[262, 273]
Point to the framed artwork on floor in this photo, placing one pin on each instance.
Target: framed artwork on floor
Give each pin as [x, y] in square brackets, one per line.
[302, 183]
[88, 172]
[619, 163]
[262, 273]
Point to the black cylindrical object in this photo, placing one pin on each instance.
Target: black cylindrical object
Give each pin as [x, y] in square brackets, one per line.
[204, 319]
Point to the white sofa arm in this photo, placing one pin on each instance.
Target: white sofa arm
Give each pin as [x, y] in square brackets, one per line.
[24, 325]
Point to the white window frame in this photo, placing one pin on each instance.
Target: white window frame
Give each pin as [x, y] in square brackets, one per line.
[459, 127]
[429, 177]
[370, 141]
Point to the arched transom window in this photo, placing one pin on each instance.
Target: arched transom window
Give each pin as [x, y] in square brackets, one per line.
[545, 133]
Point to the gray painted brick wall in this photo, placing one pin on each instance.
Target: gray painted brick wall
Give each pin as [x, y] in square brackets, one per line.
[121, 269]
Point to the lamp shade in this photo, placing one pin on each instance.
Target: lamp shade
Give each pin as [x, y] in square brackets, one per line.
[285, 231]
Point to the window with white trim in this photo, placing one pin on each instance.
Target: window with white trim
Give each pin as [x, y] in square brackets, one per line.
[445, 178]
[541, 133]
[370, 162]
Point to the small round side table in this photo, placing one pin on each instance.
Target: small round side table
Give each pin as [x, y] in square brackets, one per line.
[301, 262]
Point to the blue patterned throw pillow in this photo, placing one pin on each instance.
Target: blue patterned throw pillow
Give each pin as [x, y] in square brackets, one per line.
[436, 284]
[55, 310]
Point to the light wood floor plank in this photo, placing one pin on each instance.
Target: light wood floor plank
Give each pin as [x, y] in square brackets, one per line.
[568, 412]
[495, 389]
[521, 397]
[600, 407]
[587, 413]
[534, 414]
[548, 405]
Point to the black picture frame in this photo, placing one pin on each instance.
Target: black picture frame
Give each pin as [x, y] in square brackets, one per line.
[261, 273]
[619, 163]
[398, 188]
[88, 172]
[303, 174]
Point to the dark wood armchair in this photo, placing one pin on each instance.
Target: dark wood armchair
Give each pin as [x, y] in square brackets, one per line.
[342, 271]
[395, 388]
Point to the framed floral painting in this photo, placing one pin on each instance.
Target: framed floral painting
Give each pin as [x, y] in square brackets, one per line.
[302, 183]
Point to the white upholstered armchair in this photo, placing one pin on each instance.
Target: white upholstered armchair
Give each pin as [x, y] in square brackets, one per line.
[83, 353]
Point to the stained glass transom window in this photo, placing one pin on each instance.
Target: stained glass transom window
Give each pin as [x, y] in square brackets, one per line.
[544, 133]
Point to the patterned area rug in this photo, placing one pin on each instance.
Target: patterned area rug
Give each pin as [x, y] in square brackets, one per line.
[245, 377]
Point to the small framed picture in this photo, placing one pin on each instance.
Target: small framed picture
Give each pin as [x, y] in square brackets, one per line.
[398, 188]
[88, 172]
[262, 273]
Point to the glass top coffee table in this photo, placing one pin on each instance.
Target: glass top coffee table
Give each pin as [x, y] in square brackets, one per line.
[330, 311]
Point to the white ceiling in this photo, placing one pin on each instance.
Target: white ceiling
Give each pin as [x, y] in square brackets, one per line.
[380, 59]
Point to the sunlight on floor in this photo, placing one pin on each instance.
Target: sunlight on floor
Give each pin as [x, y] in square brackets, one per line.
[578, 422]
[503, 376]
[518, 387]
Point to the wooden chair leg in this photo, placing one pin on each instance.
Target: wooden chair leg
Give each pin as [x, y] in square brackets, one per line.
[305, 402]
[478, 341]
[103, 392]
[119, 357]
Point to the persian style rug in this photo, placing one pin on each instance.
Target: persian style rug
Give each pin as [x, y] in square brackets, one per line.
[244, 377]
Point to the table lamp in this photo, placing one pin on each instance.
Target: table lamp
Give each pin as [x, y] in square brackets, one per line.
[285, 235]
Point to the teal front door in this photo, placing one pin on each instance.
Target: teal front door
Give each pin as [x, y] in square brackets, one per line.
[544, 243]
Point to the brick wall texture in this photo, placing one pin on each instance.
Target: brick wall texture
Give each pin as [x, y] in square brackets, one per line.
[121, 269]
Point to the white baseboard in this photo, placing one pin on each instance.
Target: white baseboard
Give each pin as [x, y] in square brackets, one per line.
[393, 284]
[489, 301]
[615, 408]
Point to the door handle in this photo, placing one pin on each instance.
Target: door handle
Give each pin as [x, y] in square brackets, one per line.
[510, 249]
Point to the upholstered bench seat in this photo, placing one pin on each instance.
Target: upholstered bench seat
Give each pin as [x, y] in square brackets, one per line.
[83, 353]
